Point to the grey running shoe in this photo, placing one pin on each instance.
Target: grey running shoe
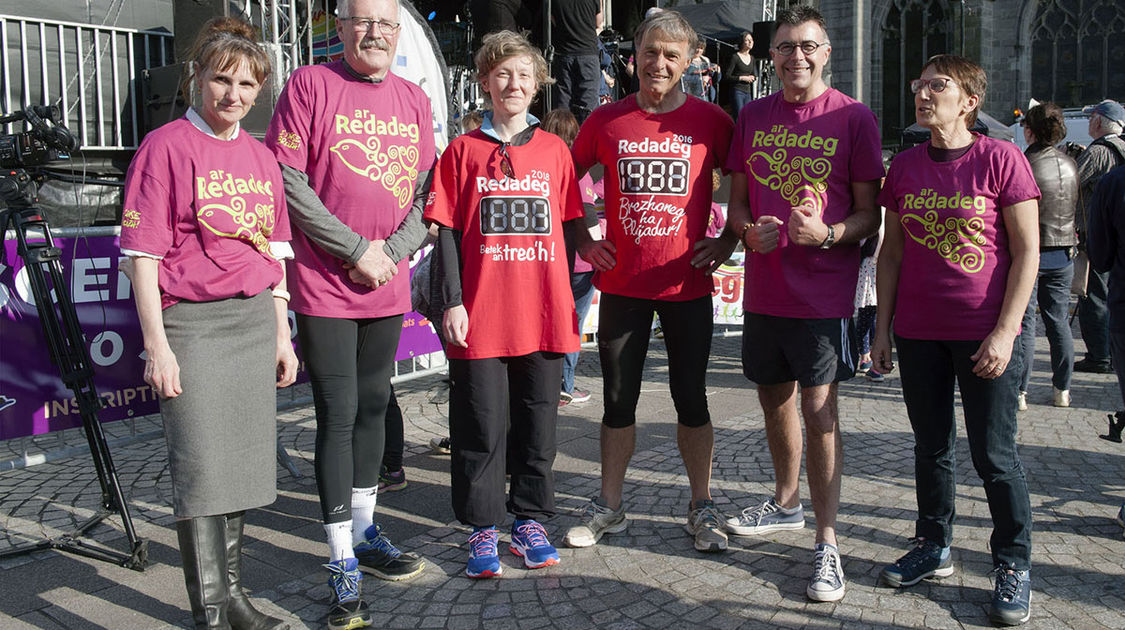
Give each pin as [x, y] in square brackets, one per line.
[827, 582]
[765, 518]
[926, 559]
[705, 523]
[1011, 599]
[596, 521]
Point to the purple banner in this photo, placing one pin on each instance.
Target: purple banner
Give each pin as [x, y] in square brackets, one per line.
[33, 399]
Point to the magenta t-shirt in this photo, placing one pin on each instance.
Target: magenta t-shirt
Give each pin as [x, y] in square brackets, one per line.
[804, 154]
[209, 208]
[955, 257]
[657, 192]
[362, 145]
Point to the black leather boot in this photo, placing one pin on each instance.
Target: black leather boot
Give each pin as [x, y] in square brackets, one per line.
[203, 552]
[242, 615]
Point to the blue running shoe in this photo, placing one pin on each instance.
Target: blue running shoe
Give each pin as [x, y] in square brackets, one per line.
[926, 559]
[346, 611]
[484, 559]
[529, 541]
[1011, 600]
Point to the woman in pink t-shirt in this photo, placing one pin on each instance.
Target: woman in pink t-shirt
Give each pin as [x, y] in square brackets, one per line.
[955, 273]
[204, 223]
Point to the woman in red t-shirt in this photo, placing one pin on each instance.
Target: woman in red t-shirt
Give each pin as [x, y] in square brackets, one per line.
[204, 223]
[500, 198]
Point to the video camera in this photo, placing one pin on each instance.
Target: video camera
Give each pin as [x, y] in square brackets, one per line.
[46, 139]
[611, 39]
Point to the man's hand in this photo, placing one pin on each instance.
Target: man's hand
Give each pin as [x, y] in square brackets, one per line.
[601, 254]
[374, 268]
[763, 236]
[455, 325]
[712, 252]
[806, 227]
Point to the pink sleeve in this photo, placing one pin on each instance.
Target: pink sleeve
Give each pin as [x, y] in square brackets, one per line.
[1016, 178]
[288, 133]
[147, 213]
[886, 196]
[867, 154]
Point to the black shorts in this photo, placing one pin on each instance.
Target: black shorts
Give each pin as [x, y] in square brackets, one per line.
[778, 350]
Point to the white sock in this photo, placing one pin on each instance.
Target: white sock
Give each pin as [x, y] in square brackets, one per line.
[363, 512]
[339, 540]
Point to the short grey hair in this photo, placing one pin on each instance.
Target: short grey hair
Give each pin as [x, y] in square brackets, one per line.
[341, 5]
[671, 24]
[1111, 126]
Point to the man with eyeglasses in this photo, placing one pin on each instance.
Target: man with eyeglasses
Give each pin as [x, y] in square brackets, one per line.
[356, 151]
[805, 168]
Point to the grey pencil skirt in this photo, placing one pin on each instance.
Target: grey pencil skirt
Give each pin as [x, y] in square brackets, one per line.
[222, 430]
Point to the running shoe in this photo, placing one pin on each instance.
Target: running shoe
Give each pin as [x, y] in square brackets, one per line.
[382, 559]
[346, 610]
[391, 481]
[1011, 599]
[705, 524]
[484, 559]
[597, 520]
[926, 559]
[529, 541]
[441, 445]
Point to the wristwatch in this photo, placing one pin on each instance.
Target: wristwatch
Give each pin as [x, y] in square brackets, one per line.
[830, 239]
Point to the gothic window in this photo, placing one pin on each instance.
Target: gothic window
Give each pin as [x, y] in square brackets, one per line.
[1078, 51]
[913, 31]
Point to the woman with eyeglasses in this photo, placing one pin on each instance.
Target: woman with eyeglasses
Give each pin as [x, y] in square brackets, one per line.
[1057, 177]
[959, 259]
[500, 198]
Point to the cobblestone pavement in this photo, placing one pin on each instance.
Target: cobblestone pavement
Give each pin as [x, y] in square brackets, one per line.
[648, 577]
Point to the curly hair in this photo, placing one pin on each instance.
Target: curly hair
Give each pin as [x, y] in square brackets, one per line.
[497, 47]
[1046, 123]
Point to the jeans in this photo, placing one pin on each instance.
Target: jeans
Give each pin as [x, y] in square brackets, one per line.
[1093, 318]
[929, 370]
[1117, 348]
[576, 88]
[1053, 294]
[739, 99]
[582, 286]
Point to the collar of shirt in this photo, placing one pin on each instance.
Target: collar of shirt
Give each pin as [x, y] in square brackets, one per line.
[520, 138]
[195, 119]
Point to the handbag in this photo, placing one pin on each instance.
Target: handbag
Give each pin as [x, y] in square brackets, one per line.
[1081, 274]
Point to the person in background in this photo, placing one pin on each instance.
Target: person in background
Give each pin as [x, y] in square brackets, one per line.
[563, 124]
[956, 303]
[500, 200]
[356, 149]
[1057, 177]
[212, 301]
[741, 74]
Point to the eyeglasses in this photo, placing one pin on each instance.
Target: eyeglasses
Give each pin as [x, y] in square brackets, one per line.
[362, 25]
[937, 86]
[788, 48]
[506, 161]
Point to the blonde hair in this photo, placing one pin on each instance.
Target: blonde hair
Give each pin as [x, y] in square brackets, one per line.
[222, 44]
[497, 47]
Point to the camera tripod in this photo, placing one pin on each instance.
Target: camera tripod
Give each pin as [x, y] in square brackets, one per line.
[69, 353]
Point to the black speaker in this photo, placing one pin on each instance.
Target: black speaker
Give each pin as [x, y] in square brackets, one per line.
[763, 37]
[188, 16]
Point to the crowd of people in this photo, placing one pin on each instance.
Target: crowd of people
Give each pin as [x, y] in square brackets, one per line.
[322, 218]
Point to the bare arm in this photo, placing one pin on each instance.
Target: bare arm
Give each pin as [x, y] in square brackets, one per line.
[1022, 223]
[286, 358]
[887, 273]
[162, 371]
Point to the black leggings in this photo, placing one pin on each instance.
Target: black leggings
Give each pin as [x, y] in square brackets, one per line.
[624, 326]
[350, 363]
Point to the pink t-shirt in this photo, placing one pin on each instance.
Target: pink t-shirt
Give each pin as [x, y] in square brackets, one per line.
[209, 208]
[586, 189]
[955, 257]
[804, 154]
[362, 145]
[515, 283]
[657, 192]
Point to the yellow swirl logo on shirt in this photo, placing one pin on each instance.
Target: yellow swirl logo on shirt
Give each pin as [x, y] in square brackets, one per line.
[956, 239]
[801, 181]
[289, 139]
[396, 168]
[234, 221]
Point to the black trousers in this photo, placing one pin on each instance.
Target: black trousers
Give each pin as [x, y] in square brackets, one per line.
[484, 395]
[350, 363]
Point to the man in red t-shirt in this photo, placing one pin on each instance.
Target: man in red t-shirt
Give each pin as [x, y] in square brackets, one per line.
[658, 149]
[356, 151]
[805, 165]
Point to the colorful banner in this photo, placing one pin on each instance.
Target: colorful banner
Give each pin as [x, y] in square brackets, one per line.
[33, 399]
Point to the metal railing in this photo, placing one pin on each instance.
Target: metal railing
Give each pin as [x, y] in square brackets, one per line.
[89, 71]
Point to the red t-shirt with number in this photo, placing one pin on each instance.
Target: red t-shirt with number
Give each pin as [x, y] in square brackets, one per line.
[657, 192]
[209, 208]
[515, 283]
